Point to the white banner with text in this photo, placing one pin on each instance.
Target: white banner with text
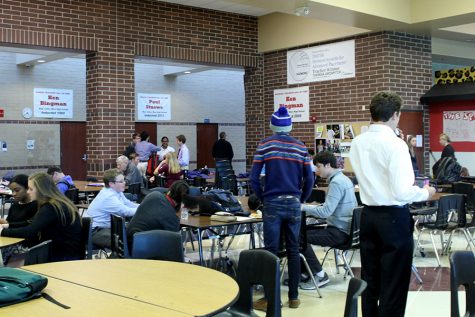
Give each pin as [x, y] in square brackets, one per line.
[320, 63]
[53, 103]
[154, 107]
[296, 100]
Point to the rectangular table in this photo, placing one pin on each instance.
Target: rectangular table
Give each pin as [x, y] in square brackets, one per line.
[201, 223]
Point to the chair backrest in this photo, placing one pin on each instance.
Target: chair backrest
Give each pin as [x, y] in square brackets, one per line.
[158, 245]
[355, 288]
[354, 239]
[134, 189]
[258, 267]
[462, 272]
[229, 182]
[194, 191]
[40, 253]
[86, 237]
[73, 195]
[467, 190]
[448, 203]
[119, 247]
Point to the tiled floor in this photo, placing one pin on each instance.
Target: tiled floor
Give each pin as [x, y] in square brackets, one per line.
[432, 298]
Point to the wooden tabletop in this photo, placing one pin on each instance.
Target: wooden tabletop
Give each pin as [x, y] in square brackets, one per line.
[6, 241]
[180, 287]
[84, 301]
[85, 186]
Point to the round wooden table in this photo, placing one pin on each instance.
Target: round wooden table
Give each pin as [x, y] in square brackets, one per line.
[170, 287]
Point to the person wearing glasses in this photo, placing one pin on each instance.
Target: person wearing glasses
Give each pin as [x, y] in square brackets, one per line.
[110, 200]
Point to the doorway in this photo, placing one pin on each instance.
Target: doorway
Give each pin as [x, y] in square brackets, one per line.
[73, 149]
[411, 123]
[150, 128]
[206, 136]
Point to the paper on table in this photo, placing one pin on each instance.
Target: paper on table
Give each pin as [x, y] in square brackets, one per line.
[240, 218]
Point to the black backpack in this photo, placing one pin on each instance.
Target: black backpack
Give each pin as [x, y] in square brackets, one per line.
[447, 170]
[219, 200]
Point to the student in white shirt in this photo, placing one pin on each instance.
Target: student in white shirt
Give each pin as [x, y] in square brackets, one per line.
[383, 168]
[183, 152]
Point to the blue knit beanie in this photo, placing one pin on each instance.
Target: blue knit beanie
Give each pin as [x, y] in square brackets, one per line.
[281, 121]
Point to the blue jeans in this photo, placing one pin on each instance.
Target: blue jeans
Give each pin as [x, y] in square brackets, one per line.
[282, 215]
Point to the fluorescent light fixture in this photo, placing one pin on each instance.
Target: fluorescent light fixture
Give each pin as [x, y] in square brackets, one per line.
[41, 61]
[187, 72]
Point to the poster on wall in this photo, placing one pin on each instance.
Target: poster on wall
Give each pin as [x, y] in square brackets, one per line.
[296, 100]
[459, 125]
[320, 63]
[154, 107]
[53, 103]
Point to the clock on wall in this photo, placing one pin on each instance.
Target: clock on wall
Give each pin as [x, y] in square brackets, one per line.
[27, 113]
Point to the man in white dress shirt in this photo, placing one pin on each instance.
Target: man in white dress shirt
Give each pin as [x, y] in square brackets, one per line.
[383, 168]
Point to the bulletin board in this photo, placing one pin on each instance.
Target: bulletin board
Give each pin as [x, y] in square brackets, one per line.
[460, 142]
[337, 137]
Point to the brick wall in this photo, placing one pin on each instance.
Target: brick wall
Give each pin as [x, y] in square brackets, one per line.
[112, 33]
[384, 61]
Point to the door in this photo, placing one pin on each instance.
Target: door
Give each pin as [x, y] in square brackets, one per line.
[206, 135]
[73, 149]
[150, 127]
[411, 123]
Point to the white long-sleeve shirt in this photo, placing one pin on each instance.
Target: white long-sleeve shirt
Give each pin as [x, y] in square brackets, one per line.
[184, 156]
[108, 202]
[383, 167]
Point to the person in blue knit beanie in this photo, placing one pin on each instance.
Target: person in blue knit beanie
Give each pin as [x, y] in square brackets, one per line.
[289, 181]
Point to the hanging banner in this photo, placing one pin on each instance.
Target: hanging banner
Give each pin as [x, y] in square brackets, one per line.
[53, 103]
[154, 107]
[296, 100]
[459, 125]
[320, 63]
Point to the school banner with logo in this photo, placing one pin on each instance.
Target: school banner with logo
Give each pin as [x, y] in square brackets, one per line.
[154, 107]
[296, 100]
[320, 63]
[53, 103]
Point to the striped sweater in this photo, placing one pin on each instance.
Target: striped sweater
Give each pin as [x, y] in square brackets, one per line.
[287, 165]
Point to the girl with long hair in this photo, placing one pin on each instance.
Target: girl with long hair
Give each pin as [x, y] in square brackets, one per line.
[169, 168]
[411, 144]
[57, 219]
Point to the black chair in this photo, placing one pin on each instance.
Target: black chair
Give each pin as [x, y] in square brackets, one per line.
[462, 272]
[353, 244]
[73, 195]
[40, 253]
[158, 245]
[86, 237]
[119, 247]
[355, 288]
[467, 190]
[257, 267]
[453, 203]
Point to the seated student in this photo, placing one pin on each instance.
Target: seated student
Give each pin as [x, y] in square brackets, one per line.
[23, 208]
[337, 210]
[169, 168]
[254, 204]
[110, 200]
[134, 158]
[57, 219]
[131, 172]
[21, 211]
[159, 211]
[63, 182]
